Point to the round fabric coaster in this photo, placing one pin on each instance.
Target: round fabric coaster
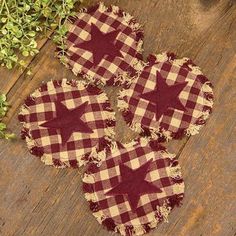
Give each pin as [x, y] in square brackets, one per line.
[104, 45]
[170, 99]
[134, 188]
[65, 121]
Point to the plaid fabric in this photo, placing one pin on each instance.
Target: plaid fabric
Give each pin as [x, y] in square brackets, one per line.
[114, 211]
[46, 143]
[196, 97]
[107, 19]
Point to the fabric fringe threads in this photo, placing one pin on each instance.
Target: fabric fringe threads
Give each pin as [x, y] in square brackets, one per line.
[38, 106]
[157, 131]
[115, 72]
[106, 174]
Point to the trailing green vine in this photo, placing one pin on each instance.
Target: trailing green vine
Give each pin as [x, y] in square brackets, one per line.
[21, 22]
[3, 111]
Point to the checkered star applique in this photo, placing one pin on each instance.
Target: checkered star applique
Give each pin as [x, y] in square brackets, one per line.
[134, 187]
[171, 98]
[65, 121]
[104, 45]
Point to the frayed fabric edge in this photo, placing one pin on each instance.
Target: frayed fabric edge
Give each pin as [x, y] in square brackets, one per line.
[136, 66]
[162, 212]
[159, 133]
[129, 20]
[38, 151]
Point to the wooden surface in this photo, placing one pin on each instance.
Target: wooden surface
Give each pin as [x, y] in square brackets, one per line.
[39, 200]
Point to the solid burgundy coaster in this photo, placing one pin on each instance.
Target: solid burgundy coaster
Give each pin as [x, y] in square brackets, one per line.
[65, 121]
[104, 45]
[134, 188]
[171, 98]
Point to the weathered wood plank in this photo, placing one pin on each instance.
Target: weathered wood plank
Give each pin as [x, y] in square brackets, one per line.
[9, 77]
[38, 200]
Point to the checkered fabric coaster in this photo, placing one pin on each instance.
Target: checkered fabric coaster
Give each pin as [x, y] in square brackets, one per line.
[104, 45]
[134, 188]
[64, 122]
[170, 99]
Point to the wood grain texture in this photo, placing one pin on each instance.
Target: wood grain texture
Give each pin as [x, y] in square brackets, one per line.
[39, 200]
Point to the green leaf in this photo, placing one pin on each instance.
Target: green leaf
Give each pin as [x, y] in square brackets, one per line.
[29, 72]
[10, 136]
[9, 64]
[4, 31]
[20, 22]
[3, 19]
[2, 126]
[32, 34]
[26, 7]
[25, 53]
[3, 98]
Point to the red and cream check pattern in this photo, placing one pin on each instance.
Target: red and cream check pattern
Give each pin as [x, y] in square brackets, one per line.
[114, 211]
[129, 42]
[45, 142]
[196, 97]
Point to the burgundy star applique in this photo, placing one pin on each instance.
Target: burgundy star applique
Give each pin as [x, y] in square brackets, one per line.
[133, 184]
[68, 121]
[101, 44]
[165, 96]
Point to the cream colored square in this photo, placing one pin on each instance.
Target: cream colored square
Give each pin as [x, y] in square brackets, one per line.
[77, 68]
[150, 216]
[154, 175]
[129, 41]
[154, 71]
[64, 156]
[87, 55]
[196, 113]
[51, 91]
[117, 170]
[114, 211]
[184, 95]
[70, 104]
[135, 221]
[76, 136]
[104, 28]
[84, 35]
[41, 108]
[112, 68]
[91, 73]
[96, 134]
[104, 174]
[127, 205]
[80, 152]
[190, 82]
[150, 84]
[172, 76]
[200, 100]
[140, 111]
[92, 20]
[144, 199]
[45, 140]
[150, 156]
[162, 194]
[89, 116]
[175, 122]
[135, 163]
